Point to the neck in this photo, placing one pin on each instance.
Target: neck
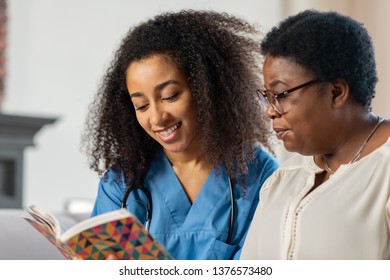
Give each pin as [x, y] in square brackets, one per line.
[191, 157]
[192, 169]
[350, 145]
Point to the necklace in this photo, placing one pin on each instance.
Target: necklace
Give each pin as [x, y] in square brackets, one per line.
[359, 152]
[327, 168]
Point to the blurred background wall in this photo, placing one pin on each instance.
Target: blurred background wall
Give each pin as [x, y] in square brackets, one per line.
[57, 52]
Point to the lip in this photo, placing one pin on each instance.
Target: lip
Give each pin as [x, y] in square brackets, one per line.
[169, 133]
[281, 132]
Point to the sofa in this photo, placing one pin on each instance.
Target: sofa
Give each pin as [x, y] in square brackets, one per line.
[20, 241]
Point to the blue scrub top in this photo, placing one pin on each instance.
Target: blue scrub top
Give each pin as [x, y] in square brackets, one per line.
[191, 231]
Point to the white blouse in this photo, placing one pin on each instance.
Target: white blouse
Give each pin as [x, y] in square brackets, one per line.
[346, 217]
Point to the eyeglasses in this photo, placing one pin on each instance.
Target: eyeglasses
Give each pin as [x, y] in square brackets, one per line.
[268, 97]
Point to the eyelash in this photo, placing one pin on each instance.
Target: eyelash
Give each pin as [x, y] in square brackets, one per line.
[169, 99]
[142, 108]
[172, 97]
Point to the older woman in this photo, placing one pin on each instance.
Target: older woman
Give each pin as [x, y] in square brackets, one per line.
[332, 203]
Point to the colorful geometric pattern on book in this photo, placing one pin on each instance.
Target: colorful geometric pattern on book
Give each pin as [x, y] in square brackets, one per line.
[124, 237]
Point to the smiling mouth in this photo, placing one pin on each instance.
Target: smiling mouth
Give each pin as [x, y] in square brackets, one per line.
[169, 131]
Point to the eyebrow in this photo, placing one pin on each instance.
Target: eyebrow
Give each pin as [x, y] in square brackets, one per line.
[275, 83]
[158, 87]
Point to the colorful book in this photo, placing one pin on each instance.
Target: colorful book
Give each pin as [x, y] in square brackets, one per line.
[117, 232]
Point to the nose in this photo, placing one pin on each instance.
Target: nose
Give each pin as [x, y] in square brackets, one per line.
[271, 113]
[157, 114]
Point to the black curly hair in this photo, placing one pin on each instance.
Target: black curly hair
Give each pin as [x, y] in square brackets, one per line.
[220, 56]
[332, 46]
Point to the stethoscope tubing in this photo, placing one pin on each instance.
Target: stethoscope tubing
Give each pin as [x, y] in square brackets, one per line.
[149, 205]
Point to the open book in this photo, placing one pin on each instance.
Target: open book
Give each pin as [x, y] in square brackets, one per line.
[117, 232]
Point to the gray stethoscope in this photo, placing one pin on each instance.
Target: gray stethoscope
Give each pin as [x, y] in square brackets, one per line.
[149, 207]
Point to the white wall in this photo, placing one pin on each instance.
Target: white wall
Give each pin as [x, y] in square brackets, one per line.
[57, 53]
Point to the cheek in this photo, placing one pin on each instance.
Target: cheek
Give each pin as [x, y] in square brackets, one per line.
[189, 111]
[301, 125]
[186, 112]
[305, 125]
[191, 116]
[308, 134]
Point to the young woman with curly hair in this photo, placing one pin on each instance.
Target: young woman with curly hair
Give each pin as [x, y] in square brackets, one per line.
[176, 129]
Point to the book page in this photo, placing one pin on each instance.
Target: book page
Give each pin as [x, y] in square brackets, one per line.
[116, 233]
[46, 218]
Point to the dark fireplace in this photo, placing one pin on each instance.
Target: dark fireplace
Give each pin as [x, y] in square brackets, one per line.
[16, 133]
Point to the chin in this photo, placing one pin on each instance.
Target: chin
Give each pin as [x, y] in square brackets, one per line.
[300, 150]
[292, 148]
[175, 149]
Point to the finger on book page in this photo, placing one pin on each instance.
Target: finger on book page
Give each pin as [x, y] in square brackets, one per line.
[112, 257]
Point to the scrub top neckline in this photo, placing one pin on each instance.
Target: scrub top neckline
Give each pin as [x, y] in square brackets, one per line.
[185, 214]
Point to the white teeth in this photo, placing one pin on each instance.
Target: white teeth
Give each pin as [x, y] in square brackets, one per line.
[169, 131]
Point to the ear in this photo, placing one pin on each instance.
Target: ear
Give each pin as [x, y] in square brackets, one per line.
[340, 92]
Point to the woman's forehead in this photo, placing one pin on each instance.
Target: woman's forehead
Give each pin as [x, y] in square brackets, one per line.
[278, 68]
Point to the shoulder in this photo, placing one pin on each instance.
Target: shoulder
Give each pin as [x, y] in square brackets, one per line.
[380, 140]
[384, 129]
[263, 165]
[296, 166]
[264, 160]
[296, 161]
[112, 180]
[110, 192]
[112, 175]
[386, 146]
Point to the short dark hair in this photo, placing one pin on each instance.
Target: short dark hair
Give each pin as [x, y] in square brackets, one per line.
[332, 46]
[220, 56]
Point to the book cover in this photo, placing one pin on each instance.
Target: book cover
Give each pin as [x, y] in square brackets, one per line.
[117, 232]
